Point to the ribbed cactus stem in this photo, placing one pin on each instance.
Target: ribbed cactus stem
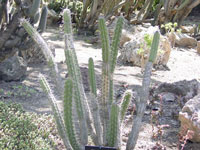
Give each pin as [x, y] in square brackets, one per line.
[105, 42]
[77, 96]
[94, 106]
[92, 77]
[113, 55]
[144, 93]
[36, 17]
[43, 19]
[67, 20]
[154, 47]
[115, 43]
[105, 76]
[68, 100]
[75, 74]
[125, 103]
[113, 126]
[46, 51]
[35, 7]
[57, 114]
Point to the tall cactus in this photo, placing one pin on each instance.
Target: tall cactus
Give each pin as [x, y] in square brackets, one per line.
[34, 9]
[74, 73]
[107, 114]
[43, 19]
[68, 102]
[105, 76]
[144, 93]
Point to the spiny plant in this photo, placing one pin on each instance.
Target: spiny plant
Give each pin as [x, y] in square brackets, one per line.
[98, 117]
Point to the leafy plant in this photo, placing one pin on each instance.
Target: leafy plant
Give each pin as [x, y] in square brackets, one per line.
[170, 27]
[148, 42]
[25, 131]
[98, 116]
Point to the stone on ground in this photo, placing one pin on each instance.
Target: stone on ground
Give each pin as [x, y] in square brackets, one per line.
[190, 118]
[13, 69]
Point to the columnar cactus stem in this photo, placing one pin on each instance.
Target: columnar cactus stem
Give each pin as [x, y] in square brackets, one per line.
[33, 10]
[46, 51]
[94, 106]
[113, 54]
[113, 128]
[57, 113]
[43, 19]
[92, 77]
[74, 72]
[68, 100]
[105, 76]
[125, 103]
[144, 93]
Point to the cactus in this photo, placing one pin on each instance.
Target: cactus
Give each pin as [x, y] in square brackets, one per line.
[141, 104]
[43, 19]
[57, 114]
[34, 9]
[105, 76]
[107, 115]
[68, 100]
[36, 17]
[125, 103]
[74, 73]
[113, 127]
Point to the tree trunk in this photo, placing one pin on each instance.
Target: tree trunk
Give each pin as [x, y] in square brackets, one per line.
[13, 37]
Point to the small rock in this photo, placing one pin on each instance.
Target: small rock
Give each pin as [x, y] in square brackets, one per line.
[184, 40]
[136, 51]
[168, 97]
[190, 118]
[187, 29]
[12, 69]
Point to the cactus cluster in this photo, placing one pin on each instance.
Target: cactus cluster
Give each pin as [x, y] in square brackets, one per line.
[99, 116]
[35, 14]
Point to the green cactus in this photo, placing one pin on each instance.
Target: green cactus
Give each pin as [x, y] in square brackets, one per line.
[125, 103]
[67, 20]
[68, 100]
[36, 17]
[113, 54]
[43, 19]
[154, 47]
[105, 76]
[34, 9]
[107, 116]
[94, 106]
[113, 128]
[92, 78]
[57, 114]
[144, 93]
[74, 73]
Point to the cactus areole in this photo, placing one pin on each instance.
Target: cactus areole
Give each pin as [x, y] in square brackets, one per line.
[99, 147]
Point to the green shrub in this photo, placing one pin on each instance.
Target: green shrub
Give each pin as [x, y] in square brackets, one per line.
[20, 130]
